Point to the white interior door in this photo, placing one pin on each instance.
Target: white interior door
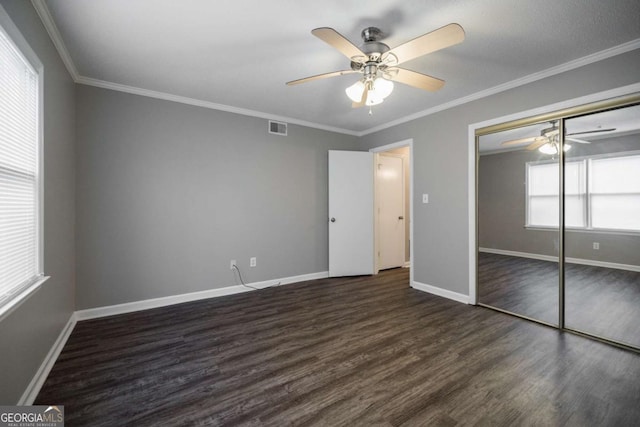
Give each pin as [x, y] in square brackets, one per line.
[390, 201]
[351, 207]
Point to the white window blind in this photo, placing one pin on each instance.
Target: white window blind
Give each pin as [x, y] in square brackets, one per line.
[601, 193]
[19, 146]
[543, 194]
[615, 193]
[542, 184]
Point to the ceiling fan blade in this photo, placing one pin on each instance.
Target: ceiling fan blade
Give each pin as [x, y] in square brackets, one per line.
[520, 140]
[537, 143]
[592, 131]
[320, 76]
[338, 41]
[419, 80]
[579, 141]
[446, 36]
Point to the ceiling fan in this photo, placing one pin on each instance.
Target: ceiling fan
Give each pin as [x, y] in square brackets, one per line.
[378, 63]
[548, 142]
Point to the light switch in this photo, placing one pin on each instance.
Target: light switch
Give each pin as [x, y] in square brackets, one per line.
[425, 198]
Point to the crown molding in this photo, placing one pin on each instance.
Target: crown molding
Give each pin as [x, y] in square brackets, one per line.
[206, 104]
[51, 27]
[567, 66]
[54, 34]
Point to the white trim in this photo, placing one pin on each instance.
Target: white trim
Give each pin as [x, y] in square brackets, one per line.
[42, 373]
[471, 210]
[445, 293]
[23, 48]
[17, 300]
[471, 189]
[54, 33]
[129, 307]
[52, 29]
[581, 261]
[529, 255]
[400, 144]
[549, 72]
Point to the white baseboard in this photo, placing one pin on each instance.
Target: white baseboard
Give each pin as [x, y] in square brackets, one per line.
[441, 292]
[519, 254]
[42, 373]
[129, 307]
[591, 262]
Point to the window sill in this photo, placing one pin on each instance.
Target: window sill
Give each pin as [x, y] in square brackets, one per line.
[17, 301]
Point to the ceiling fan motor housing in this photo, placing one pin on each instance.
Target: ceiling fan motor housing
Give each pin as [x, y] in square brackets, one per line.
[372, 47]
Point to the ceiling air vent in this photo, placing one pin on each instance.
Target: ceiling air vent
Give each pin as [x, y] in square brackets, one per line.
[277, 128]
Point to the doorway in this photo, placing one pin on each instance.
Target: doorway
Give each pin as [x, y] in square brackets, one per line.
[393, 207]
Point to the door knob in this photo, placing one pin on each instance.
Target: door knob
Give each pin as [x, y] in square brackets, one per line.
[400, 217]
[333, 219]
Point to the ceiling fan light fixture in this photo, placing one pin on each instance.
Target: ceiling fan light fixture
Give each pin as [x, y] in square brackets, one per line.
[552, 148]
[548, 148]
[381, 89]
[354, 92]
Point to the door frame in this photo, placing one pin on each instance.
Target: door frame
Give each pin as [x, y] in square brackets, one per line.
[376, 217]
[387, 147]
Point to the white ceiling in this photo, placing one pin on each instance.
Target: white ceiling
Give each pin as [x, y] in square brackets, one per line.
[240, 53]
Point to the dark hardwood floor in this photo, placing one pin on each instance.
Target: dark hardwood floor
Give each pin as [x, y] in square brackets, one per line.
[338, 352]
[600, 301]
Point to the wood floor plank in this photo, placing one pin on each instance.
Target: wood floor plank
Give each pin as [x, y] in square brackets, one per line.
[345, 352]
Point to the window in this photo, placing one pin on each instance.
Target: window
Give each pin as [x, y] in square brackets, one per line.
[20, 259]
[615, 193]
[601, 193]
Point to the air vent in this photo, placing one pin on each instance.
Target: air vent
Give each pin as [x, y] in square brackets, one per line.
[277, 128]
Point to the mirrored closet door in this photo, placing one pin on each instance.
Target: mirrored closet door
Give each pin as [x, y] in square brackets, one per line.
[518, 234]
[558, 219]
[602, 238]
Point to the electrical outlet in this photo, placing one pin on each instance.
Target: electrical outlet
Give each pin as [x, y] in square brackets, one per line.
[233, 264]
[596, 245]
[252, 262]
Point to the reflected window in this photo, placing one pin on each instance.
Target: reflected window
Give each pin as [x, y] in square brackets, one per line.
[615, 193]
[601, 193]
[543, 191]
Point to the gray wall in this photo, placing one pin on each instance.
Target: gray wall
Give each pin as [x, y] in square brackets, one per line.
[501, 209]
[441, 157]
[29, 332]
[169, 193]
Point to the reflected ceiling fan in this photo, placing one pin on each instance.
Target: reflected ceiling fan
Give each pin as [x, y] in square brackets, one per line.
[548, 142]
[378, 64]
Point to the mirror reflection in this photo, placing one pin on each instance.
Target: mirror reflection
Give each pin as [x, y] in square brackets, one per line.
[602, 239]
[518, 215]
